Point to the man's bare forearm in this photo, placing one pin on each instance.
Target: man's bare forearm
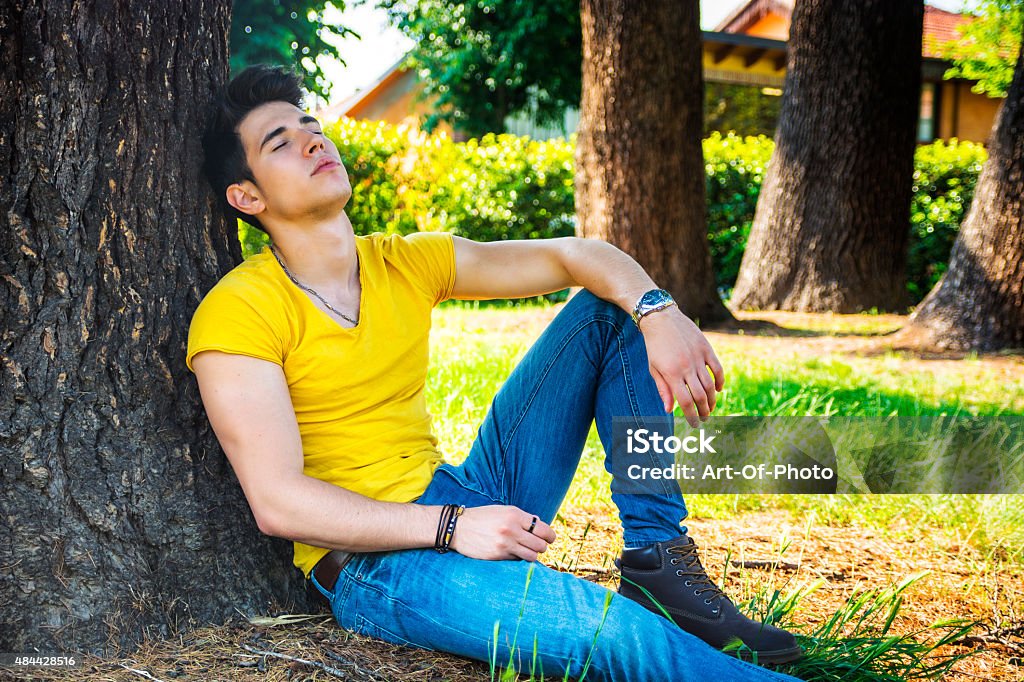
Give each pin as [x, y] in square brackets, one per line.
[606, 272]
[320, 514]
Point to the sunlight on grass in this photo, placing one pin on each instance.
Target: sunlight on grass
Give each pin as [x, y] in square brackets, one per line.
[475, 348]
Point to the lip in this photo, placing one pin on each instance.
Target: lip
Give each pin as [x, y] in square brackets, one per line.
[325, 163]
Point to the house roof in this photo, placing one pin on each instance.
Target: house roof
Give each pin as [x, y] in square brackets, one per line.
[747, 13]
[940, 26]
[351, 104]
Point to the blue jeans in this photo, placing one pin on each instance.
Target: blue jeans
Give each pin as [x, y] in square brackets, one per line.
[590, 363]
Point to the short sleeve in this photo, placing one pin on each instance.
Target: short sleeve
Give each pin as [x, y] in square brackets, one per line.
[226, 321]
[430, 257]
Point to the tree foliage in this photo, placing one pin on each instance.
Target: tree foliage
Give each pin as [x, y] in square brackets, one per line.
[288, 32]
[487, 59]
[986, 51]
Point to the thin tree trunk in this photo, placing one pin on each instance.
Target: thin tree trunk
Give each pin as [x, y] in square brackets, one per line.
[120, 517]
[979, 302]
[639, 163]
[833, 219]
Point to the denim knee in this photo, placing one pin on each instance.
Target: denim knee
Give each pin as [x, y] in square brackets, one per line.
[584, 302]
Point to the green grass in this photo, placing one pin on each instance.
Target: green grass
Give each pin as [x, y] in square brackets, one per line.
[857, 643]
[881, 386]
[475, 347]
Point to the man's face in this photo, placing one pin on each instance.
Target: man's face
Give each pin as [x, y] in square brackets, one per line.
[298, 170]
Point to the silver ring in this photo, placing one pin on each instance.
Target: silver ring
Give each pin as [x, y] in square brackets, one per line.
[533, 524]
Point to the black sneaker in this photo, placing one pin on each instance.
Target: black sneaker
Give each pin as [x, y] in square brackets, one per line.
[672, 574]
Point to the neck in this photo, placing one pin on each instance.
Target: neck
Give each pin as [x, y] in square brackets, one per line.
[321, 255]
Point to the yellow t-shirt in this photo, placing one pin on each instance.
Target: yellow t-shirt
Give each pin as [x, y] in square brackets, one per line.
[358, 393]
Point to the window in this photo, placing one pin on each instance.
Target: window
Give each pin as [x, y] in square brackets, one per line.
[926, 118]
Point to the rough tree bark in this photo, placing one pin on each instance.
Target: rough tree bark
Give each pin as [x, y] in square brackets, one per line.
[639, 162]
[979, 302]
[831, 227]
[119, 517]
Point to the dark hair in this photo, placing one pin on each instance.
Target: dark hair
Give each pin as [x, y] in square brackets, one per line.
[224, 160]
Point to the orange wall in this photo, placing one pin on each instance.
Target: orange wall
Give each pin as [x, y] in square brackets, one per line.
[771, 26]
[397, 101]
[977, 114]
[964, 114]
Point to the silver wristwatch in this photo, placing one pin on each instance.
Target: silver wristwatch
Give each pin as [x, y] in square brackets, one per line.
[652, 301]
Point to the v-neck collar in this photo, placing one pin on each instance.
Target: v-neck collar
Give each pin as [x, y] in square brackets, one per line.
[360, 259]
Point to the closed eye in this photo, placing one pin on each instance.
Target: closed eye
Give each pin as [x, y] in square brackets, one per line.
[283, 143]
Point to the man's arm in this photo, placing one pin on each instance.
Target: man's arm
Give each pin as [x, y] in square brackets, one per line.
[248, 404]
[678, 353]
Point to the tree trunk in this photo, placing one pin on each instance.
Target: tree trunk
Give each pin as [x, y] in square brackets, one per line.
[120, 518]
[979, 302]
[639, 162]
[832, 223]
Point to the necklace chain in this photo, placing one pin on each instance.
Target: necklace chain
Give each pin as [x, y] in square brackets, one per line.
[311, 290]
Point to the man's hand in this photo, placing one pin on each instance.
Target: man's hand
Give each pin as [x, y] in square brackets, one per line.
[497, 532]
[679, 357]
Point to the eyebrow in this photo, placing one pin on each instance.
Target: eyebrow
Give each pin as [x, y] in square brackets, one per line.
[280, 129]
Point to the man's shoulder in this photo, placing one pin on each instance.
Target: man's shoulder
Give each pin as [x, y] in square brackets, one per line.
[254, 275]
[251, 287]
[244, 313]
[394, 242]
[425, 260]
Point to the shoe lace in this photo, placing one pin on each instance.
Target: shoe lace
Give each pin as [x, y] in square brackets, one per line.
[692, 568]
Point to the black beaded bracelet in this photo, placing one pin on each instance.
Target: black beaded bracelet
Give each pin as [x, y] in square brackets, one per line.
[450, 514]
[441, 524]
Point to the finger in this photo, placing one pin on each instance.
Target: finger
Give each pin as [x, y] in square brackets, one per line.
[685, 401]
[544, 531]
[716, 369]
[531, 542]
[524, 553]
[700, 398]
[540, 529]
[708, 384]
[663, 390]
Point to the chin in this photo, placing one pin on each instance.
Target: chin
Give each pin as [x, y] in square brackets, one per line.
[345, 195]
[330, 203]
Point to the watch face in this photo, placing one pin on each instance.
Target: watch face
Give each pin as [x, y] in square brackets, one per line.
[653, 298]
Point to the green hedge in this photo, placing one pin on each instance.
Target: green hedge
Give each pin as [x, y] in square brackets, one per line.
[508, 187]
[944, 177]
[497, 187]
[734, 168]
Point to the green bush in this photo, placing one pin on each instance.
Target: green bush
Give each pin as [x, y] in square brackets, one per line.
[506, 187]
[404, 180]
[509, 187]
[944, 177]
[252, 239]
[734, 167]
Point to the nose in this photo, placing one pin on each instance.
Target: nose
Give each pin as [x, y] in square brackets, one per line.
[315, 144]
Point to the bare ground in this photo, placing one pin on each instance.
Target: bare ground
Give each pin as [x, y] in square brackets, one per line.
[960, 582]
[812, 334]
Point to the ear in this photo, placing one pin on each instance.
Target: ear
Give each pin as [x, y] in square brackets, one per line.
[246, 198]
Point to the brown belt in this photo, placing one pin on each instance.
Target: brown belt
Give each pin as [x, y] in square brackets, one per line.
[329, 568]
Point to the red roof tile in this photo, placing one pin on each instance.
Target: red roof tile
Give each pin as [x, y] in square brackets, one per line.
[940, 27]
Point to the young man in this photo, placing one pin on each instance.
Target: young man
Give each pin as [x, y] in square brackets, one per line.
[312, 356]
